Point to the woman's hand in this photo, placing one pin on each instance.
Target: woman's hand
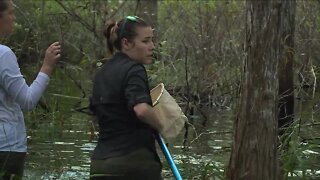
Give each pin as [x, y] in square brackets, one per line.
[51, 57]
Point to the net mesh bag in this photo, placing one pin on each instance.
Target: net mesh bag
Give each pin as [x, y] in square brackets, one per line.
[168, 111]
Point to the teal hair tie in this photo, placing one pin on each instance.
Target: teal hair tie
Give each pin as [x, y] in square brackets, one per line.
[130, 18]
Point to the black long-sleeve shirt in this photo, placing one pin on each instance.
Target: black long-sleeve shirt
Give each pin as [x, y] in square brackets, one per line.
[118, 86]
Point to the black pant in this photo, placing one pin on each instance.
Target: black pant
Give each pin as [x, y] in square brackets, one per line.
[11, 165]
[138, 165]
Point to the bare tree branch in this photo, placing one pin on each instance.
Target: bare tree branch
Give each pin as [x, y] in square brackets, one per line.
[78, 18]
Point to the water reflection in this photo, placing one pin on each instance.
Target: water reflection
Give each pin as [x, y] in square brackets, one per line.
[63, 151]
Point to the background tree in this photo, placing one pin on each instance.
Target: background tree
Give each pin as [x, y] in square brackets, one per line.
[254, 151]
[148, 10]
[286, 75]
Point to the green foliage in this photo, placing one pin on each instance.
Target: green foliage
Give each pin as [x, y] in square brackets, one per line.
[299, 160]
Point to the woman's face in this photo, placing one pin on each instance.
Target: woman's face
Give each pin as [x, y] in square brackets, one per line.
[141, 47]
[7, 19]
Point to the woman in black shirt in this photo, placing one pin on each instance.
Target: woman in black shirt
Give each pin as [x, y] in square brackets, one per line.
[122, 103]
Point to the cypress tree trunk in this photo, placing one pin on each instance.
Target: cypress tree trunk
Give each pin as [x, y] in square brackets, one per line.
[254, 151]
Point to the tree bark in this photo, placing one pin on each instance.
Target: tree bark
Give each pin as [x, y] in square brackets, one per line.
[254, 151]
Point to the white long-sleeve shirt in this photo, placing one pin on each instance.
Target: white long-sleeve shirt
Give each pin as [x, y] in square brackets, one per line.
[16, 95]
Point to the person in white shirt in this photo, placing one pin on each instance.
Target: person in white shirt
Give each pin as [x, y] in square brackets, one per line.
[16, 95]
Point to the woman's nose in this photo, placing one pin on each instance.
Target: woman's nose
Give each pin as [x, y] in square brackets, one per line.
[152, 46]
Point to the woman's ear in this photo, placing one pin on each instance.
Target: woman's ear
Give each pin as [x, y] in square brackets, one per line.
[125, 44]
